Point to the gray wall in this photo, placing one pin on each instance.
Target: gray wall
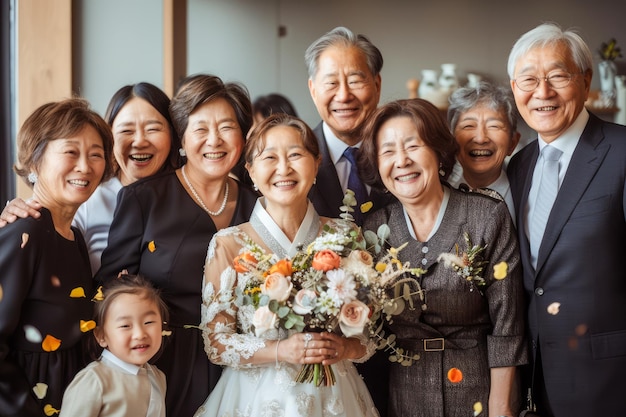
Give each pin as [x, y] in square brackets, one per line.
[121, 41]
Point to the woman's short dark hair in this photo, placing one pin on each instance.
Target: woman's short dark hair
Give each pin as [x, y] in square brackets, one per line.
[431, 127]
[273, 103]
[199, 89]
[56, 120]
[161, 103]
[256, 140]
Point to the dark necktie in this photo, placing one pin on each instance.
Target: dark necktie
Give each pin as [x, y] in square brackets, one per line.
[355, 184]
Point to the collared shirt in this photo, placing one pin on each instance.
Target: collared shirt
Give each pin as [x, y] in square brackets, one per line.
[500, 185]
[336, 148]
[566, 143]
[156, 406]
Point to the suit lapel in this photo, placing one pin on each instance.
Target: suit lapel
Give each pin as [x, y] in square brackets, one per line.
[524, 174]
[327, 194]
[586, 161]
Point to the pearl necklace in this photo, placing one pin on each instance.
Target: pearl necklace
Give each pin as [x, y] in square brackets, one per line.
[199, 200]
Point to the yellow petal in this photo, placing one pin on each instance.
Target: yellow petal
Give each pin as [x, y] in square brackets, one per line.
[166, 333]
[50, 343]
[501, 270]
[40, 389]
[554, 308]
[152, 246]
[32, 334]
[78, 292]
[478, 408]
[99, 296]
[85, 326]
[50, 410]
[24, 240]
[380, 267]
[367, 206]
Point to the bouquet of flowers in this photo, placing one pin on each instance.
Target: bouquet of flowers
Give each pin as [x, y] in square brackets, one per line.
[331, 285]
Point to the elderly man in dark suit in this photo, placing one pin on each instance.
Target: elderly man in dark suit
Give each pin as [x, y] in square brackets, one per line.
[344, 81]
[568, 189]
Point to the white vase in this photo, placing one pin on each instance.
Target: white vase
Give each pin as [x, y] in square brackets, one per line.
[429, 83]
[430, 90]
[607, 71]
[473, 80]
[448, 80]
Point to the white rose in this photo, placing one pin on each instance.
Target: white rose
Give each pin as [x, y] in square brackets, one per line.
[304, 302]
[361, 264]
[353, 317]
[263, 320]
[277, 287]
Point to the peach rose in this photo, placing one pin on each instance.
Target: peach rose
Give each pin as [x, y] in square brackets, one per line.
[277, 287]
[353, 317]
[325, 260]
[263, 320]
[304, 302]
[240, 262]
[282, 267]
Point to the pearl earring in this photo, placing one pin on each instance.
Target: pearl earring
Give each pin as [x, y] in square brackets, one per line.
[32, 178]
[182, 152]
[441, 171]
[256, 187]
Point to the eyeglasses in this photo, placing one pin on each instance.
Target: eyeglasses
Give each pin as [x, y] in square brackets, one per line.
[529, 83]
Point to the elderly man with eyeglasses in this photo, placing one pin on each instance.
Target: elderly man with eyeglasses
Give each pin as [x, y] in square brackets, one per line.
[568, 190]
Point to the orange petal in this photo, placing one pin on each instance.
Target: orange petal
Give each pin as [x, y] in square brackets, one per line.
[151, 246]
[99, 296]
[78, 292]
[1, 292]
[85, 326]
[24, 240]
[50, 343]
[455, 375]
[50, 410]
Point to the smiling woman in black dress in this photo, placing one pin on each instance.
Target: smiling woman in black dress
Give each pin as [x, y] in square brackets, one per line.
[163, 225]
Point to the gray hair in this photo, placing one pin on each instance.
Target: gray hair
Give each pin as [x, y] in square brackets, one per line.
[550, 34]
[341, 36]
[494, 97]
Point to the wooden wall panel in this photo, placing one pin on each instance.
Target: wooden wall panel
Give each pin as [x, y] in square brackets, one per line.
[44, 58]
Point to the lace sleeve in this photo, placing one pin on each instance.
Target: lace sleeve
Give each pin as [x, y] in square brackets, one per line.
[226, 323]
[370, 348]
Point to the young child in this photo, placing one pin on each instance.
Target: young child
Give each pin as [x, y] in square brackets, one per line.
[129, 326]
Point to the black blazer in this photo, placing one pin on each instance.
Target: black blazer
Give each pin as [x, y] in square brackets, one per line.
[327, 194]
[580, 265]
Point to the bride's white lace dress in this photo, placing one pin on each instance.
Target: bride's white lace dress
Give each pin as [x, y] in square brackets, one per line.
[267, 390]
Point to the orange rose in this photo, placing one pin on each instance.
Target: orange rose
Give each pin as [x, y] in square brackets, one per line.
[242, 261]
[325, 260]
[282, 267]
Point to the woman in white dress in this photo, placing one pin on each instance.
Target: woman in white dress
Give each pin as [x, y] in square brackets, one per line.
[282, 157]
